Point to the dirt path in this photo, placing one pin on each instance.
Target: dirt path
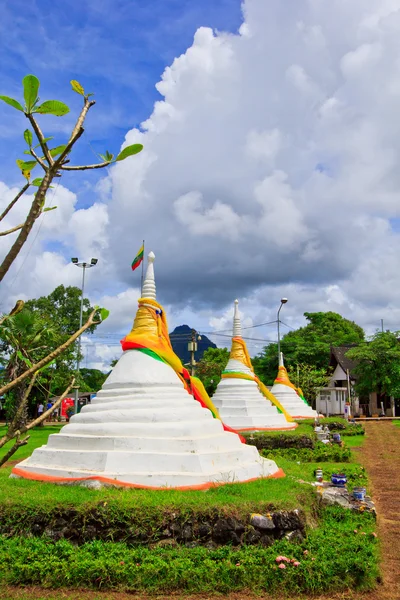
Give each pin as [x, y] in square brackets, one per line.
[380, 455]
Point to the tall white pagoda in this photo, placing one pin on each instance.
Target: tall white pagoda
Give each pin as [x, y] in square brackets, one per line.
[238, 398]
[289, 396]
[144, 429]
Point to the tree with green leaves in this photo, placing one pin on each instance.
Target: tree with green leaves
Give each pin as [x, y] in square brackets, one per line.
[91, 379]
[52, 161]
[24, 339]
[378, 365]
[310, 379]
[32, 336]
[61, 309]
[309, 345]
[210, 367]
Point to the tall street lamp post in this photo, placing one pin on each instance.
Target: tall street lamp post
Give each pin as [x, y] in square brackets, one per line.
[83, 266]
[283, 301]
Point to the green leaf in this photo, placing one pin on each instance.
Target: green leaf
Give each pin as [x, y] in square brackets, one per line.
[76, 86]
[12, 102]
[52, 107]
[129, 151]
[57, 150]
[28, 152]
[37, 181]
[49, 208]
[107, 157]
[23, 358]
[26, 165]
[31, 87]
[104, 313]
[28, 137]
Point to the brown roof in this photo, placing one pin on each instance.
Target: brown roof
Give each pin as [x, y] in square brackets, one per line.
[338, 356]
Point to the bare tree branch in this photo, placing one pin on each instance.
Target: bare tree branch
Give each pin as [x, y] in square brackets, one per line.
[38, 159]
[17, 197]
[13, 449]
[19, 305]
[17, 433]
[8, 231]
[85, 167]
[35, 209]
[72, 141]
[52, 355]
[78, 125]
[41, 138]
[20, 410]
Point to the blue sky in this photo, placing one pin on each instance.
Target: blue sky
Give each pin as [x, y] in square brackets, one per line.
[115, 48]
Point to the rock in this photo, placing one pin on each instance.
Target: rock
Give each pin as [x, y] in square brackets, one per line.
[37, 529]
[187, 533]
[267, 540]
[339, 496]
[192, 544]
[224, 533]
[236, 525]
[295, 536]
[210, 545]
[166, 543]
[53, 534]
[175, 529]
[205, 530]
[251, 536]
[89, 533]
[262, 522]
[289, 520]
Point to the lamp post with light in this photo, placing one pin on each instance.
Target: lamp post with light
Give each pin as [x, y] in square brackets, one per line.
[83, 266]
[283, 301]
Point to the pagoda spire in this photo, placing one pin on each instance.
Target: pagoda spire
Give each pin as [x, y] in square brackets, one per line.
[149, 284]
[237, 326]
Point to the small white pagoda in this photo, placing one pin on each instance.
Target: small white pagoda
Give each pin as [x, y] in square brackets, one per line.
[289, 396]
[238, 398]
[144, 429]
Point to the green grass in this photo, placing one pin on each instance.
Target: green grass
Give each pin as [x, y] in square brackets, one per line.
[354, 441]
[106, 565]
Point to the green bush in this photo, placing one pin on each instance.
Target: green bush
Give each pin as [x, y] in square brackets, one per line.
[332, 558]
[320, 453]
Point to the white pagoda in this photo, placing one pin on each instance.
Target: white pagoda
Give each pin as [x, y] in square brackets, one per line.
[289, 396]
[144, 429]
[238, 398]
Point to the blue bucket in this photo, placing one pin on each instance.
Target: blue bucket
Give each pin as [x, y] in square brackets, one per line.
[359, 493]
[339, 479]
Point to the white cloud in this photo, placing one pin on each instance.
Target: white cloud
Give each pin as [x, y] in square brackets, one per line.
[269, 169]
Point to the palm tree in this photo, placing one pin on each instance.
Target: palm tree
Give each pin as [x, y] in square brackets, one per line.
[24, 338]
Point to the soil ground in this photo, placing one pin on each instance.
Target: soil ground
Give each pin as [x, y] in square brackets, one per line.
[381, 457]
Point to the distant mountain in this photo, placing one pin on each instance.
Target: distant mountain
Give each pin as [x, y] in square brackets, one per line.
[180, 337]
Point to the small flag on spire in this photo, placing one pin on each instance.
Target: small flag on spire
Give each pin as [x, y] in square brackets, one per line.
[138, 258]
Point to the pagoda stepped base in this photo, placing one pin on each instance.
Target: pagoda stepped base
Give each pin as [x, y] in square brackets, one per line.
[243, 407]
[144, 430]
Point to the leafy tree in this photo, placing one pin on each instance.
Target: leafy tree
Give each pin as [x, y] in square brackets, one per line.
[210, 367]
[310, 379]
[92, 379]
[378, 365]
[61, 308]
[53, 161]
[309, 345]
[24, 338]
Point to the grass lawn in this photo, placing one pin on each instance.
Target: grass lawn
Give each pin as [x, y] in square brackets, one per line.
[116, 565]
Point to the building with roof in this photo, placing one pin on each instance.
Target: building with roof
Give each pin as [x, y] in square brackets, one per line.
[332, 399]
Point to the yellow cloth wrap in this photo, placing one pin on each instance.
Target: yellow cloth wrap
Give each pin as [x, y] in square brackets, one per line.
[239, 352]
[204, 396]
[150, 329]
[283, 379]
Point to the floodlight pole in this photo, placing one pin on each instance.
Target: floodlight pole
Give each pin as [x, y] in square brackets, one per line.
[83, 266]
[283, 301]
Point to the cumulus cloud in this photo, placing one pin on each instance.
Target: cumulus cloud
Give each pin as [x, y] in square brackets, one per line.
[269, 169]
